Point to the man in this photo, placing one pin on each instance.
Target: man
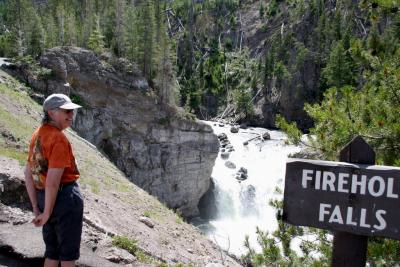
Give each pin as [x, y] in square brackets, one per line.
[50, 176]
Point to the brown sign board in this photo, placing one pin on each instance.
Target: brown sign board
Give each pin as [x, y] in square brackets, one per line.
[338, 196]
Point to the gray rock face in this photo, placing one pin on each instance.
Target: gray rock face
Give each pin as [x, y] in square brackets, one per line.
[12, 187]
[165, 154]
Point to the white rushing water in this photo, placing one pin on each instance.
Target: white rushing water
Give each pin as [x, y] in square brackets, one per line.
[244, 205]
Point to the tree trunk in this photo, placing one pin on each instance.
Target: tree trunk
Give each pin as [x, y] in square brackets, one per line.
[120, 7]
[190, 40]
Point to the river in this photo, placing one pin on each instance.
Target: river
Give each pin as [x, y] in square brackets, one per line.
[243, 205]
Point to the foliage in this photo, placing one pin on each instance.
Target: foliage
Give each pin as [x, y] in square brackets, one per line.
[243, 103]
[96, 39]
[341, 68]
[314, 244]
[370, 112]
[132, 247]
[363, 99]
[126, 243]
[294, 134]
[14, 154]
[383, 252]
[33, 66]
[272, 8]
[133, 29]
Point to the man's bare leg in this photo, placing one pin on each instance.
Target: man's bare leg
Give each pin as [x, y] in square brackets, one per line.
[50, 263]
[68, 264]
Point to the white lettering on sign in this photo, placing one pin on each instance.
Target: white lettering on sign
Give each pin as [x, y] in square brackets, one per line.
[355, 198]
[381, 186]
[349, 217]
[361, 184]
[328, 178]
[318, 180]
[342, 182]
[381, 220]
[306, 177]
[335, 214]
[376, 186]
[390, 189]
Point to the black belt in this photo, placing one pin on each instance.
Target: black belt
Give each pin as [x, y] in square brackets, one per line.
[63, 185]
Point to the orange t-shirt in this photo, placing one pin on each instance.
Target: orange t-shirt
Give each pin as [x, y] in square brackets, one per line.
[50, 148]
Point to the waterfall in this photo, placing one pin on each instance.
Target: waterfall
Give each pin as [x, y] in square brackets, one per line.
[243, 205]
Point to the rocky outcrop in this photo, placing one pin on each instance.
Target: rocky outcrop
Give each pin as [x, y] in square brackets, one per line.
[152, 143]
[12, 187]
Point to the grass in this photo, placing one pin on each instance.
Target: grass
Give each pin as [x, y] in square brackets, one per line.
[132, 247]
[15, 122]
[126, 243]
[18, 96]
[20, 127]
[100, 176]
[179, 219]
[14, 154]
[93, 183]
[154, 214]
[147, 214]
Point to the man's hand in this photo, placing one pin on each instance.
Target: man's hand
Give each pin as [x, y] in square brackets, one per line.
[52, 184]
[36, 211]
[41, 219]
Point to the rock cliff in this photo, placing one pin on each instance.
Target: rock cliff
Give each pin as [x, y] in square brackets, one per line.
[159, 149]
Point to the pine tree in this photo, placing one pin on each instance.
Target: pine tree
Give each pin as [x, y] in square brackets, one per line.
[130, 34]
[340, 69]
[374, 42]
[261, 10]
[145, 27]
[165, 77]
[19, 17]
[96, 39]
[71, 29]
[36, 37]
[190, 56]
[88, 20]
[61, 23]
[119, 26]
[269, 66]
[50, 31]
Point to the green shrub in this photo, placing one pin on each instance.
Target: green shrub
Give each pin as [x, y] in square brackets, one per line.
[126, 243]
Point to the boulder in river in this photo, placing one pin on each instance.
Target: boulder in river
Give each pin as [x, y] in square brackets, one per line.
[222, 136]
[230, 165]
[241, 175]
[234, 129]
[266, 136]
[225, 155]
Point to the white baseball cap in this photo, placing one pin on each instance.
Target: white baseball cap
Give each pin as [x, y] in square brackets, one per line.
[59, 101]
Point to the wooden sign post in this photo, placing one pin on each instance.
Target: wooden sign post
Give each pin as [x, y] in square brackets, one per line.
[350, 249]
[352, 198]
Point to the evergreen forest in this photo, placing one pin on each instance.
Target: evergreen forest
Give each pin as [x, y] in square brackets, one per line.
[328, 68]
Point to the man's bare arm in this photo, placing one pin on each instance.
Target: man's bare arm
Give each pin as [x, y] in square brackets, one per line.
[52, 185]
[30, 188]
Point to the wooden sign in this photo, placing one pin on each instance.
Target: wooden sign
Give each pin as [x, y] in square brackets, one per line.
[339, 196]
